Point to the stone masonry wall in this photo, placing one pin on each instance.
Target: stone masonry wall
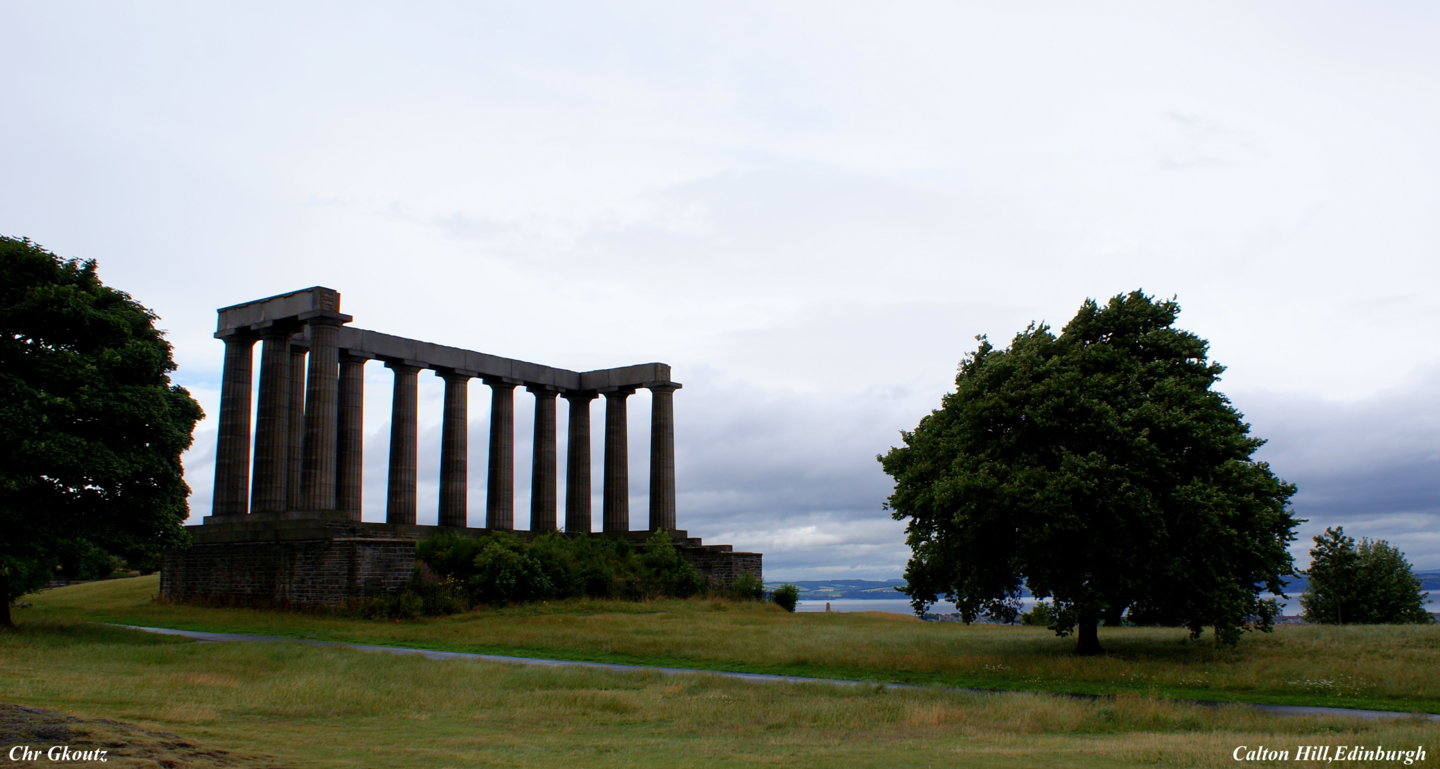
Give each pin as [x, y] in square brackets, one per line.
[298, 574]
[722, 566]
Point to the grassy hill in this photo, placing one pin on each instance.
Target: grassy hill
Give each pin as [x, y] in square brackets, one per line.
[303, 706]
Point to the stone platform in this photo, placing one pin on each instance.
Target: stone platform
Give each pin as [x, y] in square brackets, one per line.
[331, 562]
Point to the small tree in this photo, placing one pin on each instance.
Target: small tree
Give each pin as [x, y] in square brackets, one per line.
[91, 429]
[1366, 583]
[786, 596]
[1098, 468]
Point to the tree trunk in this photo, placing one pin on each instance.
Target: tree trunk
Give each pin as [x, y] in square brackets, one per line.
[5, 620]
[1088, 634]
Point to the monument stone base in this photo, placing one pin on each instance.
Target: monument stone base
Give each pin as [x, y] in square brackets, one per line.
[281, 561]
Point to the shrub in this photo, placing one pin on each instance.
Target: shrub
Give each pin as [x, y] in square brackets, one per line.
[748, 587]
[499, 568]
[450, 554]
[786, 596]
[426, 595]
[665, 572]
[1042, 615]
[506, 573]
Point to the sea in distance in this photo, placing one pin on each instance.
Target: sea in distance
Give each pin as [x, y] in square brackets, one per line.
[865, 595]
[902, 605]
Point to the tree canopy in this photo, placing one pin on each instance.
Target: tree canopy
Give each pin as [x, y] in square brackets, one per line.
[1099, 469]
[92, 427]
[1366, 583]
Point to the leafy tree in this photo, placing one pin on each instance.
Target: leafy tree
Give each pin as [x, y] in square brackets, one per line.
[1099, 468]
[92, 427]
[1369, 583]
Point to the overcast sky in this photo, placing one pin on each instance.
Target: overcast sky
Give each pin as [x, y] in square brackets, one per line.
[809, 209]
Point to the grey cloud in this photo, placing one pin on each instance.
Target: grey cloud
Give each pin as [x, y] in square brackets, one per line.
[1371, 465]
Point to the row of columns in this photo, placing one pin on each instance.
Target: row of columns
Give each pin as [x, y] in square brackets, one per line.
[309, 448]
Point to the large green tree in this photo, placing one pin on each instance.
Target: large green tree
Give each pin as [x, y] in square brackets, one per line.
[1369, 582]
[1099, 469]
[91, 429]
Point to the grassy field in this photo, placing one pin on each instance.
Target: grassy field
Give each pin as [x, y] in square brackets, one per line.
[323, 707]
[1385, 668]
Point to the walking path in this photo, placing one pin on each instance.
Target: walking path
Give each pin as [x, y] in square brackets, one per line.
[1284, 710]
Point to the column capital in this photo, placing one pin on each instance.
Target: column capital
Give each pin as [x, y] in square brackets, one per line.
[232, 335]
[542, 391]
[455, 374]
[663, 386]
[500, 383]
[579, 396]
[403, 366]
[351, 356]
[272, 329]
[618, 392]
[324, 318]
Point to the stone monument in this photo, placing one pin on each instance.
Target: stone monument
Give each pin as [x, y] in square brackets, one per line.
[285, 527]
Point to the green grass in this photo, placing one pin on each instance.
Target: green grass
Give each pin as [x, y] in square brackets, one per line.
[306, 706]
[1387, 668]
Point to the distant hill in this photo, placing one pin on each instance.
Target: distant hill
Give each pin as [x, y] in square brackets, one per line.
[1429, 582]
[830, 589]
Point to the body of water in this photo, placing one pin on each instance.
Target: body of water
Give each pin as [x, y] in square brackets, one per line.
[902, 605]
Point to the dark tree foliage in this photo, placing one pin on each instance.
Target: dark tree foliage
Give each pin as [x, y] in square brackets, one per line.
[92, 428]
[1369, 583]
[1099, 469]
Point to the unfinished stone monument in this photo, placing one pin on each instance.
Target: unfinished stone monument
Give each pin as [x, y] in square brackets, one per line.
[285, 526]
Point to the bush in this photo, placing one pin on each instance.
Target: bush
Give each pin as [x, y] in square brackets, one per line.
[748, 587]
[506, 573]
[786, 596]
[426, 595]
[1042, 615]
[499, 568]
[450, 554]
[665, 572]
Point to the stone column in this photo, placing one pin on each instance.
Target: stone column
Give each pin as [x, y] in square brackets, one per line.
[577, 464]
[500, 491]
[616, 509]
[272, 422]
[454, 450]
[662, 456]
[322, 412]
[297, 425]
[232, 452]
[350, 442]
[404, 434]
[542, 469]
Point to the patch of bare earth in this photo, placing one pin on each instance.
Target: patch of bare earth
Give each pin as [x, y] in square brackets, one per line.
[27, 736]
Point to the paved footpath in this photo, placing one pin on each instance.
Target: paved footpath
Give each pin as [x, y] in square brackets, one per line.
[1284, 710]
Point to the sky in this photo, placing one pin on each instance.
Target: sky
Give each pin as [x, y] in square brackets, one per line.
[808, 209]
